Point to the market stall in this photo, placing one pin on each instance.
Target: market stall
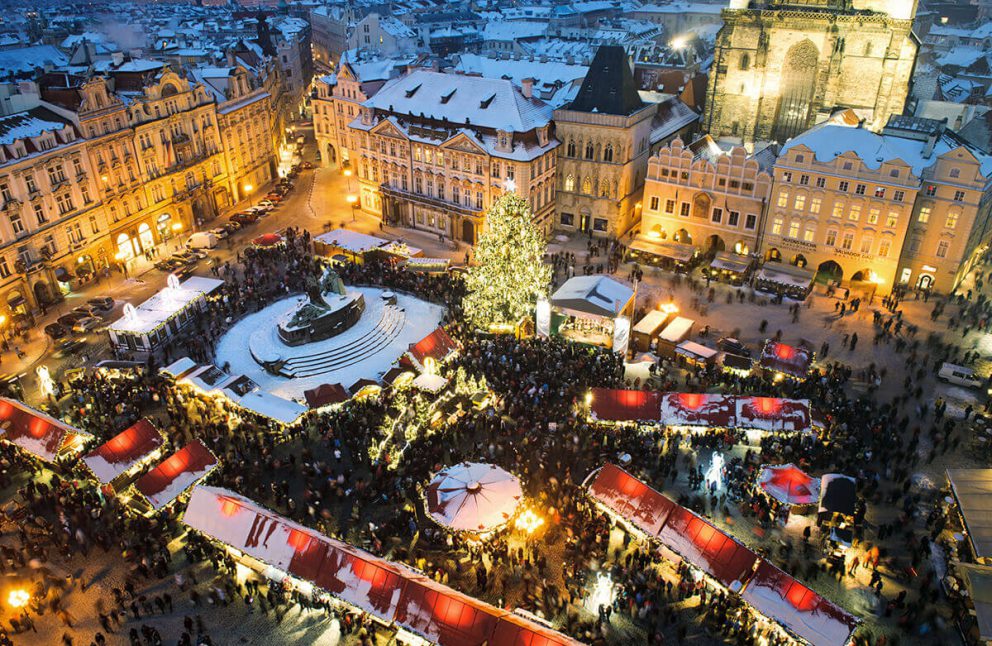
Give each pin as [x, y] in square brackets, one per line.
[773, 414]
[657, 253]
[615, 405]
[435, 348]
[696, 354]
[326, 395]
[175, 475]
[789, 485]
[427, 265]
[631, 499]
[784, 280]
[697, 409]
[972, 491]
[786, 360]
[120, 457]
[645, 333]
[976, 624]
[41, 435]
[473, 497]
[707, 548]
[354, 246]
[730, 267]
[589, 307]
[678, 330]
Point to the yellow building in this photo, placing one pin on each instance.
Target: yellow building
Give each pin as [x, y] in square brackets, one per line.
[706, 196]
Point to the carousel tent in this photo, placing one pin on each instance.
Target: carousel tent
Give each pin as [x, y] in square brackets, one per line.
[613, 405]
[390, 591]
[631, 499]
[120, 453]
[786, 359]
[789, 485]
[972, 488]
[41, 435]
[473, 497]
[592, 296]
[773, 414]
[838, 494]
[697, 409]
[801, 611]
[174, 475]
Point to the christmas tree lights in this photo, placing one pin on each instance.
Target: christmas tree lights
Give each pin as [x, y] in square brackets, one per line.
[510, 274]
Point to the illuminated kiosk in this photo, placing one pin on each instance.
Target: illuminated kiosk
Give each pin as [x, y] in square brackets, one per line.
[594, 310]
[152, 325]
[328, 311]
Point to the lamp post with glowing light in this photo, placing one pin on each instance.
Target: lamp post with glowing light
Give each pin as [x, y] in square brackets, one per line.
[3, 327]
[177, 229]
[248, 189]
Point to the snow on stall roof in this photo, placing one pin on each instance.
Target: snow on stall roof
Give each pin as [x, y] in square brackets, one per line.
[271, 406]
[351, 241]
[178, 368]
[456, 97]
[165, 304]
[597, 295]
[34, 431]
[633, 500]
[177, 473]
[121, 452]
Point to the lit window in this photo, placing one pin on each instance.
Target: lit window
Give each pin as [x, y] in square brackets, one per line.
[838, 209]
[855, 212]
[794, 229]
[892, 219]
[883, 249]
[787, 177]
[809, 233]
[924, 216]
[783, 198]
[777, 226]
[800, 203]
[847, 242]
[814, 205]
[952, 221]
[873, 215]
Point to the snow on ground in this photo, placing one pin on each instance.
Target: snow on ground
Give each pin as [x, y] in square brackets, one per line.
[421, 318]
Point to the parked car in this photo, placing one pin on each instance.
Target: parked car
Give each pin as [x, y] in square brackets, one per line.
[185, 258]
[69, 346]
[231, 228]
[959, 376]
[104, 303]
[86, 310]
[307, 165]
[169, 264]
[202, 240]
[221, 232]
[87, 324]
[56, 331]
[733, 346]
[244, 218]
[260, 211]
[268, 205]
[68, 320]
[275, 197]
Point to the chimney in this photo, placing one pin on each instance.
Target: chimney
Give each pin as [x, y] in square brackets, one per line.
[231, 61]
[527, 87]
[117, 58]
[931, 142]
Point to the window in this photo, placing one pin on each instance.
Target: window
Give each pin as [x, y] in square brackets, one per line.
[750, 221]
[809, 233]
[821, 182]
[456, 194]
[848, 165]
[510, 172]
[898, 196]
[930, 190]
[570, 151]
[794, 229]
[478, 199]
[952, 220]
[804, 180]
[77, 166]
[783, 198]
[855, 212]
[5, 193]
[684, 209]
[838, 209]
[959, 196]
[590, 152]
[732, 218]
[599, 224]
[65, 204]
[717, 216]
[29, 181]
[942, 248]
[94, 228]
[39, 214]
[15, 223]
[56, 175]
[883, 249]
[892, 219]
[4, 269]
[873, 214]
[75, 233]
[924, 216]
[655, 202]
[777, 226]
[608, 153]
[831, 238]
[587, 185]
[843, 186]
[567, 219]
[860, 189]
[800, 159]
[440, 190]
[800, 203]
[955, 172]
[866, 243]
[879, 191]
[847, 242]
[787, 177]
[669, 206]
[50, 245]
[85, 191]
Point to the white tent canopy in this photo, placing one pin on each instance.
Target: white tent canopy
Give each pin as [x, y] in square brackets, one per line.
[473, 497]
[592, 295]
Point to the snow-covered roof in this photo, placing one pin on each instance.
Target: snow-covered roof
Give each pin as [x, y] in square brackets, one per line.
[178, 368]
[39, 434]
[682, 8]
[960, 56]
[513, 30]
[32, 123]
[351, 241]
[166, 482]
[493, 103]
[120, 453]
[596, 295]
[23, 60]
[544, 73]
[165, 304]
[271, 406]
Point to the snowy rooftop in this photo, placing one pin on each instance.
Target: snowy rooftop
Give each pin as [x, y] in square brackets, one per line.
[545, 73]
[23, 60]
[165, 304]
[598, 295]
[28, 124]
[493, 103]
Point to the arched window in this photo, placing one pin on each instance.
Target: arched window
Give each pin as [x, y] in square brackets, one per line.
[570, 183]
[590, 152]
[608, 153]
[571, 149]
[604, 188]
[587, 186]
[745, 62]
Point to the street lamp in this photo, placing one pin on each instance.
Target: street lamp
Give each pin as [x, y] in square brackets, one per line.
[352, 199]
[3, 327]
[248, 189]
[177, 229]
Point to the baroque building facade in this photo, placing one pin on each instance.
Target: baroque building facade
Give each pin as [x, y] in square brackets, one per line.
[780, 67]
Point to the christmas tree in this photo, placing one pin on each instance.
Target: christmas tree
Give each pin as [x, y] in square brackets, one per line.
[509, 275]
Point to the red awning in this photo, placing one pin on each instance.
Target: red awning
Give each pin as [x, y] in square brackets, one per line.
[512, 630]
[437, 346]
[176, 474]
[773, 414]
[697, 409]
[121, 452]
[267, 240]
[631, 499]
[614, 405]
[443, 615]
[803, 612]
[707, 547]
[326, 394]
[37, 433]
[787, 359]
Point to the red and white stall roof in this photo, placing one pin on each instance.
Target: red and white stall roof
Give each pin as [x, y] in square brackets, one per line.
[787, 359]
[177, 473]
[616, 405]
[436, 346]
[789, 484]
[697, 409]
[709, 549]
[773, 414]
[39, 434]
[393, 592]
[801, 611]
[120, 453]
[633, 500]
